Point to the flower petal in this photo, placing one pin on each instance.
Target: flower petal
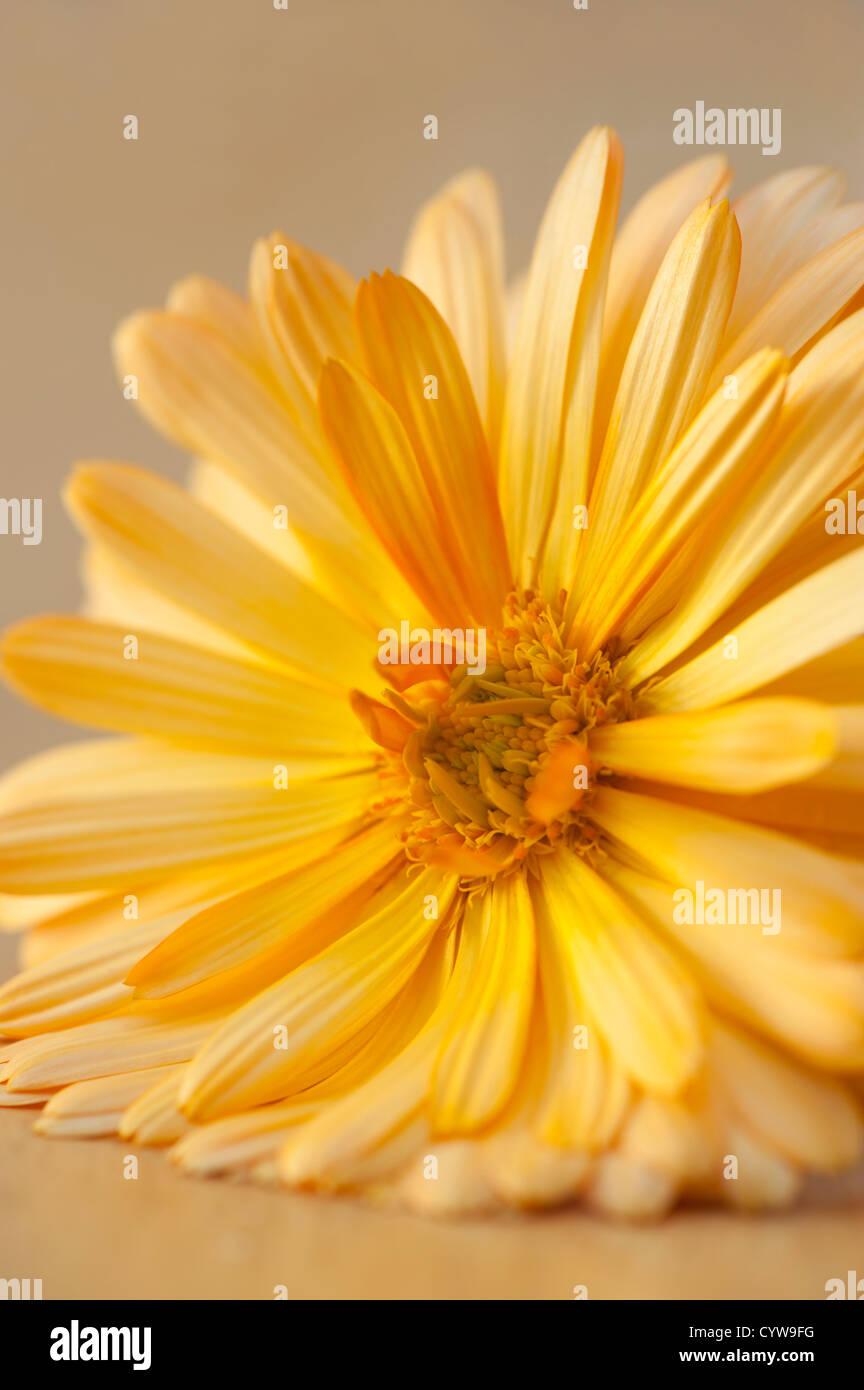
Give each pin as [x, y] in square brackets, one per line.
[320, 1005]
[640, 245]
[680, 501]
[80, 670]
[821, 896]
[816, 615]
[641, 1001]
[770, 215]
[482, 1052]
[369, 441]
[739, 748]
[548, 413]
[819, 432]
[666, 371]
[177, 546]
[455, 255]
[405, 342]
[93, 1109]
[273, 926]
[803, 306]
[133, 838]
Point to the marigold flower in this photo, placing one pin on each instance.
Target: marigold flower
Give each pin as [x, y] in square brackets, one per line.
[453, 931]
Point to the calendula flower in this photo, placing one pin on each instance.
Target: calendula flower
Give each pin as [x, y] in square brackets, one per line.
[484, 825]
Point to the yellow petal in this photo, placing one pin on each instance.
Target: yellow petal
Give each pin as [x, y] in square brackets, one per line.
[771, 215]
[110, 842]
[820, 896]
[810, 1119]
[304, 309]
[279, 923]
[826, 229]
[455, 255]
[177, 546]
[811, 1004]
[640, 245]
[716, 451]
[482, 1052]
[227, 313]
[666, 370]
[101, 1049]
[74, 987]
[320, 1005]
[242, 1141]
[197, 388]
[221, 491]
[414, 362]
[369, 441]
[585, 1091]
[374, 1129]
[90, 1109]
[816, 615]
[114, 593]
[739, 748]
[212, 400]
[621, 1186]
[548, 413]
[153, 1118]
[81, 670]
[803, 305]
[642, 1002]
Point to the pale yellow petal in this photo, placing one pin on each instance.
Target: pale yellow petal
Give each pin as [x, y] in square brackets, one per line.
[771, 215]
[113, 841]
[818, 614]
[666, 371]
[91, 673]
[482, 1052]
[371, 444]
[740, 748]
[319, 1005]
[178, 546]
[679, 504]
[548, 413]
[817, 898]
[455, 255]
[94, 1109]
[642, 1002]
[640, 245]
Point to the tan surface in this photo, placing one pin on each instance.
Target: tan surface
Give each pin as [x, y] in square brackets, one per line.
[75, 1222]
[311, 120]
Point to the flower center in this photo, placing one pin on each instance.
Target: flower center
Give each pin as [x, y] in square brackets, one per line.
[497, 763]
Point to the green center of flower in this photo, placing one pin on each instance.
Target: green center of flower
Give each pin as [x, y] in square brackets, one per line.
[501, 764]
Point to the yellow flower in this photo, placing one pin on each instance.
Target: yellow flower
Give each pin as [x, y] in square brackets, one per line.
[570, 903]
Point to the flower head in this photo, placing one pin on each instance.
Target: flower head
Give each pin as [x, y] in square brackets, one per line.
[482, 821]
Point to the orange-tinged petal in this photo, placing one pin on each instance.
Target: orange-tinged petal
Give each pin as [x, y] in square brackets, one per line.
[379, 465]
[556, 787]
[455, 255]
[414, 362]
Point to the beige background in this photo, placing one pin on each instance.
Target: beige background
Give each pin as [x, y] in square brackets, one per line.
[311, 120]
